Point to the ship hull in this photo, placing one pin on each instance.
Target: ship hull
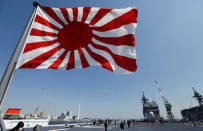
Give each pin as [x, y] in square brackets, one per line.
[28, 123]
[193, 114]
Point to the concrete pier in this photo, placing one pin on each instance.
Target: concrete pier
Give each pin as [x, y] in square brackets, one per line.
[137, 127]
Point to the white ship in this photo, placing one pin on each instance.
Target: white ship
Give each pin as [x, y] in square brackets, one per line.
[12, 117]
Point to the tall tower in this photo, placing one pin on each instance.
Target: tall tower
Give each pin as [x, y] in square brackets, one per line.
[79, 113]
[168, 106]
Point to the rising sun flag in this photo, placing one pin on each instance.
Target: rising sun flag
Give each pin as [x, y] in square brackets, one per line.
[67, 38]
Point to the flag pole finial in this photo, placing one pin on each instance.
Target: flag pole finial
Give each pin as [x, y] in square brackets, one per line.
[35, 4]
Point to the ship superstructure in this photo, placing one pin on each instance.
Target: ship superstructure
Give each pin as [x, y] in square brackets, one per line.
[13, 116]
[150, 109]
[194, 113]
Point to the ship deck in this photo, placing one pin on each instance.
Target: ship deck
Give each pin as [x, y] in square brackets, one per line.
[137, 127]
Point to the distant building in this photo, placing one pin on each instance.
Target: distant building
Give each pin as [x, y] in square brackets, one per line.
[86, 119]
[66, 116]
[53, 117]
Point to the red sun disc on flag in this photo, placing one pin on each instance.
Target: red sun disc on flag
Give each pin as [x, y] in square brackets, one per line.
[75, 35]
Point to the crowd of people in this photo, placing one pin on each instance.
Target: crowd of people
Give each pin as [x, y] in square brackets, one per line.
[122, 123]
[106, 123]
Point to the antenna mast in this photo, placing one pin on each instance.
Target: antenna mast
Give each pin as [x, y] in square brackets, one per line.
[168, 106]
[144, 99]
[198, 97]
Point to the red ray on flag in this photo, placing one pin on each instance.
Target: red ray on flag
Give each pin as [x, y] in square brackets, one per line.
[67, 38]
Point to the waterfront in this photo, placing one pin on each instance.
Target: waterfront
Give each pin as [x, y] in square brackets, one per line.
[137, 127]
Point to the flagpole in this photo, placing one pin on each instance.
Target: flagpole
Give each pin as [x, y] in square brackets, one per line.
[8, 74]
[8, 85]
[3, 97]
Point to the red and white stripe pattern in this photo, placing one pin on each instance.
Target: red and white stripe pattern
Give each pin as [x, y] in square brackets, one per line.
[67, 38]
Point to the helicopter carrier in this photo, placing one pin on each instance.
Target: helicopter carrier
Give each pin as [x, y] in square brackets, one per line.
[150, 109]
[194, 113]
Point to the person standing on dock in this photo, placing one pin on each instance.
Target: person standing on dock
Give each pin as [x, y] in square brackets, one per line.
[134, 121]
[105, 125]
[128, 122]
[122, 126]
[161, 120]
[94, 122]
[115, 122]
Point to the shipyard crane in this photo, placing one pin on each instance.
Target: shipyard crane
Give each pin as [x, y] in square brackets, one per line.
[36, 110]
[168, 106]
[41, 114]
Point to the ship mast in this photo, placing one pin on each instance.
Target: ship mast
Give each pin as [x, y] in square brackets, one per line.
[198, 97]
[168, 106]
[144, 99]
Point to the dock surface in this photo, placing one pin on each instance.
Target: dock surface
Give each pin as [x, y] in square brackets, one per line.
[136, 127]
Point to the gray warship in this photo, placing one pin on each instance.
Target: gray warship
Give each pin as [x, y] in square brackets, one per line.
[194, 113]
[150, 109]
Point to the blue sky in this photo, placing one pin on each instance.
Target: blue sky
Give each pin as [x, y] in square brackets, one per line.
[169, 47]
